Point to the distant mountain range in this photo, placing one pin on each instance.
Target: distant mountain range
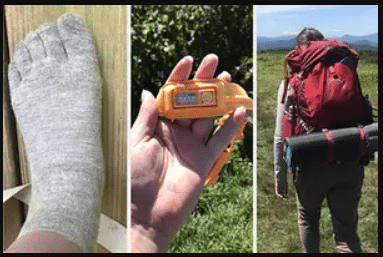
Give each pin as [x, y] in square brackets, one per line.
[367, 42]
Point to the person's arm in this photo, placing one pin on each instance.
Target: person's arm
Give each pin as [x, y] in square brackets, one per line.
[280, 168]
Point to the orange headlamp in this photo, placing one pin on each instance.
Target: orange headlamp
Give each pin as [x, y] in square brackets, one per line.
[203, 98]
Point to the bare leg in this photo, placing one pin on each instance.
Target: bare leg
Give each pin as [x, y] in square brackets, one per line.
[41, 241]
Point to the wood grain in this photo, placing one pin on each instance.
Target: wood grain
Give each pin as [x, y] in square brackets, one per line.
[108, 26]
[13, 209]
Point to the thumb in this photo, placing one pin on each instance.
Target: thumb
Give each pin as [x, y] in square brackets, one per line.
[224, 135]
[146, 121]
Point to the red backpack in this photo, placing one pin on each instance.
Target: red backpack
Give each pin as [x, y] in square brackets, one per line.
[325, 89]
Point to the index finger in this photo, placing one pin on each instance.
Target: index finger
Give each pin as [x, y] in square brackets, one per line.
[206, 69]
[182, 69]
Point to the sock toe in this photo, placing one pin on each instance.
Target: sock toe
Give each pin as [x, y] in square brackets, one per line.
[52, 42]
[72, 24]
[22, 60]
[14, 77]
[36, 47]
[76, 37]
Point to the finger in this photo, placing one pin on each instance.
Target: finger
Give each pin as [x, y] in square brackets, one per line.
[225, 76]
[146, 121]
[206, 69]
[202, 128]
[182, 70]
[223, 136]
[185, 123]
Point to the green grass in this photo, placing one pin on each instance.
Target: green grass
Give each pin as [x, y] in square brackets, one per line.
[277, 229]
[223, 218]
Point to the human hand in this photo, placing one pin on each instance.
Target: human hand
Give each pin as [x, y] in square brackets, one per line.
[170, 162]
[281, 185]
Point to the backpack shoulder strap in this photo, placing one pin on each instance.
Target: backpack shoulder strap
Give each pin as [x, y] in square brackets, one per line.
[286, 86]
[285, 82]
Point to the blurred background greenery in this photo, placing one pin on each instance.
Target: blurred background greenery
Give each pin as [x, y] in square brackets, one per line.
[163, 34]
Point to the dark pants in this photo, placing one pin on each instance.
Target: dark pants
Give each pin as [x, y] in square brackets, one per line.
[341, 185]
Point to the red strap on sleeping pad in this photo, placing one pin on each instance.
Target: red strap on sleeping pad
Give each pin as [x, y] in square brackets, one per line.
[330, 154]
[363, 144]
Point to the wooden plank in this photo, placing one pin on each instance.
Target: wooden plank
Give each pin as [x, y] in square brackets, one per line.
[108, 25]
[13, 209]
[9, 158]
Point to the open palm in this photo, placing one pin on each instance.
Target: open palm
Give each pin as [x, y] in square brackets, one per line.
[171, 160]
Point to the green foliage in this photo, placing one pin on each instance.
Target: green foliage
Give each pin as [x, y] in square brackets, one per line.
[223, 218]
[368, 57]
[162, 34]
[277, 229]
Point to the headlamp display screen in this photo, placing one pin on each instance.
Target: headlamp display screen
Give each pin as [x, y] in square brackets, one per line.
[187, 98]
[195, 98]
[207, 97]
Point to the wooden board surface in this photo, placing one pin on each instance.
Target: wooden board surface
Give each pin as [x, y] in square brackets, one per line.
[108, 25]
[13, 209]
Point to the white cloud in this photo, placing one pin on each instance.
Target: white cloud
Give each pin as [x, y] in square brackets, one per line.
[288, 33]
[335, 33]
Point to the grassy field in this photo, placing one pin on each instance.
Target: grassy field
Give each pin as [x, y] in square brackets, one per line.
[223, 218]
[276, 218]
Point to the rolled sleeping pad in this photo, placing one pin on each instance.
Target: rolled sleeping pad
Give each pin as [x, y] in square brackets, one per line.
[346, 144]
[372, 137]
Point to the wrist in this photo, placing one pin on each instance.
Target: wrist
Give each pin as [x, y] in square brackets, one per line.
[146, 239]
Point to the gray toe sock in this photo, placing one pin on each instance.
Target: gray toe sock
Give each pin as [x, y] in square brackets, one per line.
[55, 89]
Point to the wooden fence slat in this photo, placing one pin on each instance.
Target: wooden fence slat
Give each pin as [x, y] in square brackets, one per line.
[13, 209]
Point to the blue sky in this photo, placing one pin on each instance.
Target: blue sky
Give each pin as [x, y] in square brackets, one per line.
[331, 20]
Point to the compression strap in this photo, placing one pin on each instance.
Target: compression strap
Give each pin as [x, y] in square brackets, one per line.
[363, 144]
